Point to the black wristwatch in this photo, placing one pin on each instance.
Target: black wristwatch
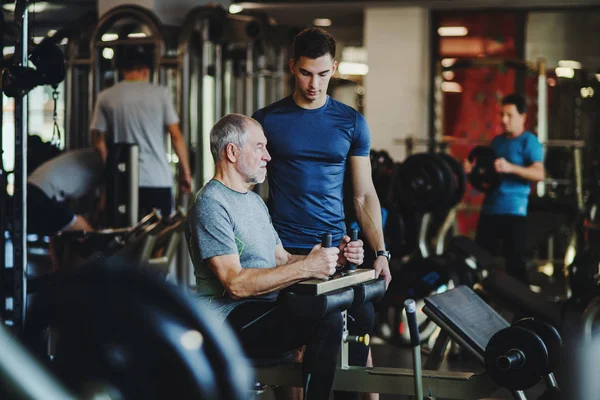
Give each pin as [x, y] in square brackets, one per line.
[383, 253]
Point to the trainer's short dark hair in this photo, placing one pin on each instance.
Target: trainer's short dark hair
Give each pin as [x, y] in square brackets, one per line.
[313, 43]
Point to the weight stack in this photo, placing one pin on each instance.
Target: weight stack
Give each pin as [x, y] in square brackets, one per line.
[122, 181]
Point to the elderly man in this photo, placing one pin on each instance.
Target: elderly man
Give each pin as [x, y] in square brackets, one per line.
[240, 263]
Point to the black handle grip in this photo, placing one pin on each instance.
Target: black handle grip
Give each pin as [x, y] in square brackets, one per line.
[411, 315]
[326, 240]
[353, 238]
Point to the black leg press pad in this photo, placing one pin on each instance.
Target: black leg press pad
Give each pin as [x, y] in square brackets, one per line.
[468, 315]
[516, 296]
[312, 307]
[368, 291]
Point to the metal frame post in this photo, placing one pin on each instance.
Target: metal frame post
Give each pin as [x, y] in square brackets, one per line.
[19, 231]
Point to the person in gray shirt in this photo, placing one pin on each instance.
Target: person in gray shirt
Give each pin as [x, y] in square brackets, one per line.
[240, 264]
[136, 111]
[53, 185]
[70, 176]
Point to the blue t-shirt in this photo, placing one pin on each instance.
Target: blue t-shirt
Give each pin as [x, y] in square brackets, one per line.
[309, 149]
[512, 195]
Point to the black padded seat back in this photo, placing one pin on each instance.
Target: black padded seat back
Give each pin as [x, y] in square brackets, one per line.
[517, 296]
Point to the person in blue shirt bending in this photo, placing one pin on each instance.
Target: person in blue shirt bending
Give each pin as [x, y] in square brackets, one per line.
[504, 212]
[312, 138]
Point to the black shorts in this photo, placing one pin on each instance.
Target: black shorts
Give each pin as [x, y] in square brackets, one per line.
[46, 216]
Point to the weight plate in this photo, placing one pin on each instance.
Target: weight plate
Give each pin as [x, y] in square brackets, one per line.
[533, 349]
[549, 336]
[420, 183]
[460, 179]
[483, 176]
[121, 330]
[449, 184]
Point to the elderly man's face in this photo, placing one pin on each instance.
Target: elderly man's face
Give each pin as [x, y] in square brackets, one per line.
[252, 163]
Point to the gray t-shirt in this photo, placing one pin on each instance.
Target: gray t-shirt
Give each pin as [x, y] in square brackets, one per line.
[223, 221]
[71, 175]
[139, 112]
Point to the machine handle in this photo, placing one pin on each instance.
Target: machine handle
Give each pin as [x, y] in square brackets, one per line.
[326, 240]
[353, 238]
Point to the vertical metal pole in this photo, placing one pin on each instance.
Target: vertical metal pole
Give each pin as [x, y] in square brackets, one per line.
[2, 185]
[19, 235]
[133, 174]
[542, 117]
[249, 106]
[578, 177]
[218, 81]
[438, 101]
[343, 358]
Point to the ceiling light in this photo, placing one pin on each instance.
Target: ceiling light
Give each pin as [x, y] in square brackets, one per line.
[569, 64]
[108, 53]
[598, 77]
[235, 8]
[37, 39]
[448, 62]
[51, 32]
[350, 68]
[451, 87]
[448, 75]
[109, 37]
[587, 92]
[453, 31]
[34, 7]
[136, 35]
[322, 22]
[564, 72]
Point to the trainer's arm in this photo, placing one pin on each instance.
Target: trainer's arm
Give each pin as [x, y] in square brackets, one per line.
[368, 210]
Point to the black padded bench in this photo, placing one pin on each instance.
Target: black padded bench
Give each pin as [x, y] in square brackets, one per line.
[516, 296]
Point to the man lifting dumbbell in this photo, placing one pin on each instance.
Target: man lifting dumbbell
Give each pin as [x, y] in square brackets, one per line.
[240, 263]
[519, 162]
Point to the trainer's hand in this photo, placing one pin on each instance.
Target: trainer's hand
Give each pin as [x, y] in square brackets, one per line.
[351, 252]
[382, 267]
[320, 262]
[502, 166]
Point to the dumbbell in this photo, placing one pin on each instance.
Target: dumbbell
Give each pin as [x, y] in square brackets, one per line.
[517, 357]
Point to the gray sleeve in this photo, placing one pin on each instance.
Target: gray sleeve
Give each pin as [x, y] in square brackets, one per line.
[171, 116]
[99, 119]
[214, 230]
[275, 234]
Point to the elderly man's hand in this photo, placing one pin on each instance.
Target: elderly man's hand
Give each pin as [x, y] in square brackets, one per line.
[351, 251]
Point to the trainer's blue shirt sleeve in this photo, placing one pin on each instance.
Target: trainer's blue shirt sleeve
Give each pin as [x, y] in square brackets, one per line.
[361, 141]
